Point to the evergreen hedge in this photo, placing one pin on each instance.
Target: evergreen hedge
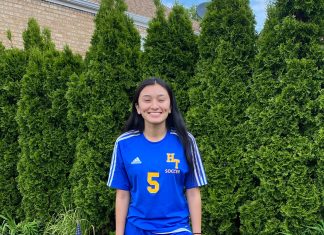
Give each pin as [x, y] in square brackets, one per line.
[216, 116]
[99, 103]
[171, 52]
[285, 151]
[13, 64]
[155, 43]
[258, 121]
[46, 158]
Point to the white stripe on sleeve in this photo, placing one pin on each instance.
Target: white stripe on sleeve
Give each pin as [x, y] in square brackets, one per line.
[124, 136]
[198, 166]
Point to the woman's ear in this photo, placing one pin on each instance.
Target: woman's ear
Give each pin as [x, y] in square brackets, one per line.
[138, 109]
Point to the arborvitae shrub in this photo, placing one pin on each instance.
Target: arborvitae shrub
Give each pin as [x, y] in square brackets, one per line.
[2, 48]
[216, 117]
[34, 37]
[170, 51]
[99, 102]
[12, 68]
[46, 156]
[155, 42]
[285, 149]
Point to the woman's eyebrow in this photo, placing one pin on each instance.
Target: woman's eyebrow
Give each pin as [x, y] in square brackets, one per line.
[159, 95]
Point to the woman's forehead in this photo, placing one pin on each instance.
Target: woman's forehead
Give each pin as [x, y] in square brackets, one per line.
[154, 90]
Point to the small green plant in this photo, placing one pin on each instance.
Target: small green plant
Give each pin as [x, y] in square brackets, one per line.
[28, 228]
[66, 223]
[9, 36]
[318, 228]
[10, 227]
[7, 225]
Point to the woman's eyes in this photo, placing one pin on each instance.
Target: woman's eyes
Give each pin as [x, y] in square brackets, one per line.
[149, 100]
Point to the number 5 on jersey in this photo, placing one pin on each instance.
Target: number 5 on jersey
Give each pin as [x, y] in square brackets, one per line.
[154, 186]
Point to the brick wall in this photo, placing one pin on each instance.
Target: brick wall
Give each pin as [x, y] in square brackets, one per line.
[68, 26]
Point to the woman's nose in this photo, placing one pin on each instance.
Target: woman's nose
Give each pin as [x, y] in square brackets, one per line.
[154, 104]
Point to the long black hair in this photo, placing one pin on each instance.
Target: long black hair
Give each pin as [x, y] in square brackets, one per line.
[174, 120]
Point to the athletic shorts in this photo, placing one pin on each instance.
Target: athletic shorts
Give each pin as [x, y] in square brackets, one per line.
[132, 230]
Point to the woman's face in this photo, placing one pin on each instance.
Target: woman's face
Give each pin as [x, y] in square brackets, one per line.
[154, 105]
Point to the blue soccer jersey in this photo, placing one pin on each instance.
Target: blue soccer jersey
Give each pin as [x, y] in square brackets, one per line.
[156, 174]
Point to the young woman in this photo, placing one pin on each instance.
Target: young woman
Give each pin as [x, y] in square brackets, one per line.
[156, 168]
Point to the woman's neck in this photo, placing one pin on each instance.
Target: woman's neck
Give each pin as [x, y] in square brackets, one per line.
[155, 133]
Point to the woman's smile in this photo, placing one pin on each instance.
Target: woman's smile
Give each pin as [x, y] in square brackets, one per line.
[154, 104]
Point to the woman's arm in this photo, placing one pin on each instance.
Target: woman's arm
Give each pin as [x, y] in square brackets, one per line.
[122, 204]
[194, 202]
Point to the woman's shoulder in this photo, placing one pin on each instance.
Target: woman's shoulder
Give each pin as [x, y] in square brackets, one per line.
[190, 135]
[128, 134]
[174, 132]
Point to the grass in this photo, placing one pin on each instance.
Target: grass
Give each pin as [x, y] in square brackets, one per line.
[10, 227]
[317, 229]
[66, 223]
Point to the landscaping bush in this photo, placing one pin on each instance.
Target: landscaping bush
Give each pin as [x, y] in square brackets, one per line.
[46, 157]
[170, 51]
[285, 151]
[99, 103]
[13, 64]
[219, 97]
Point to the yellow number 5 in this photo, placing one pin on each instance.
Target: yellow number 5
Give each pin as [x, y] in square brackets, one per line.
[154, 185]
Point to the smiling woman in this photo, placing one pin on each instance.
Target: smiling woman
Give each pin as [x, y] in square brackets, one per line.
[153, 162]
[154, 106]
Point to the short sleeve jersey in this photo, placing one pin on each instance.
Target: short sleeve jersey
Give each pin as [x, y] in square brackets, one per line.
[156, 174]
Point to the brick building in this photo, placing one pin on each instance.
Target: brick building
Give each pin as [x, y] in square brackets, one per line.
[70, 21]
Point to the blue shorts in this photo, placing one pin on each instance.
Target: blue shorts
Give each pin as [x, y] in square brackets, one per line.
[130, 229]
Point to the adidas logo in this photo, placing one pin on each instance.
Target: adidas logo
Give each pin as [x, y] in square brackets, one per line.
[136, 161]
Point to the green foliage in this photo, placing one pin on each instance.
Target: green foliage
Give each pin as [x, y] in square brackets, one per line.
[155, 42]
[99, 101]
[2, 48]
[33, 37]
[318, 228]
[192, 11]
[285, 148]
[216, 117]
[13, 64]
[46, 157]
[262, 139]
[170, 51]
[223, 21]
[10, 227]
[65, 223]
[9, 36]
